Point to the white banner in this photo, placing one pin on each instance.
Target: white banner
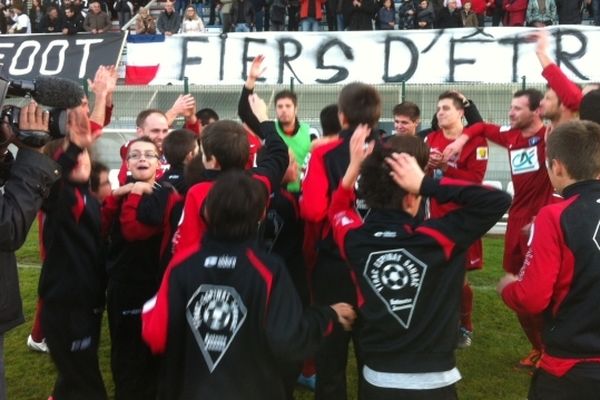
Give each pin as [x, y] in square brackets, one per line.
[490, 55]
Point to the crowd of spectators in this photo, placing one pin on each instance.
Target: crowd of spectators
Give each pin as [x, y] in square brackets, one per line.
[180, 16]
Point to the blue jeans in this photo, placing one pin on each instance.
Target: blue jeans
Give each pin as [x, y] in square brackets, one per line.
[340, 22]
[309, 24]
[243, 27]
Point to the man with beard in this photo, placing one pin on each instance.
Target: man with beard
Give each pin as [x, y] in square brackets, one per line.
[525, 140]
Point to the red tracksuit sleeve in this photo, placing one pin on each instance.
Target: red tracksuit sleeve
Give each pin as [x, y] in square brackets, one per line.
[568, 92]
[532, 293]
[192, 227]
[489, 131]
[343, 216]
[131, 228]
[155, 313]
[314, 201]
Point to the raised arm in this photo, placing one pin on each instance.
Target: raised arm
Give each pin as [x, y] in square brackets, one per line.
[244, 108]
[568, 92]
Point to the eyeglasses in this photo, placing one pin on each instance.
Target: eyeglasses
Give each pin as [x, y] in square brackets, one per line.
[148, 155]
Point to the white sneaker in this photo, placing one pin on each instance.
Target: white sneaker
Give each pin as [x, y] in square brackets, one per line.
[42, 347]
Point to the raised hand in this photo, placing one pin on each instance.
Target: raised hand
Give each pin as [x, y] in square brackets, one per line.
[359, 150]
[78, 127]
[406, 172]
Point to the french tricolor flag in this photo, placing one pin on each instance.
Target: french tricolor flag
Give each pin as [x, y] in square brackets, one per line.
[143, 58]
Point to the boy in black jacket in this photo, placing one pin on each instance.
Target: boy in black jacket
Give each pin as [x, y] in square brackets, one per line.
[560, 277]
[73, 278]
[233, 309]
[410, 273]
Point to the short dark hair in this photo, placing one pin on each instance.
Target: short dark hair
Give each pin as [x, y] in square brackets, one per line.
[360, 103]
[97, 169]
[408, 109]
[590, 106]
[143, 139]
[286, 94]
[455, 97]
[576, 144]
[330, 122]
[205, 115]
[141, 117]
[227, 142]
[234, 206]
[533, 95]
[177, 145]
[375, 185]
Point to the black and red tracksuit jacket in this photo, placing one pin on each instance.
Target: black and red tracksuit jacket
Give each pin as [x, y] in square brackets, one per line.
[233, 314]
[331, 279]
[135, 241]
[561, 278]
[73, 267]
[411, 273]
[188, 237]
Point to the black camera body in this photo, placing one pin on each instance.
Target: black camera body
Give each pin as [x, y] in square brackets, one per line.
[57, 93]
[57, 127]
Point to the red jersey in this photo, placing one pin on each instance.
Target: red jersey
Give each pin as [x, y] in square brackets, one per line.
[527, 160]
[470, 165]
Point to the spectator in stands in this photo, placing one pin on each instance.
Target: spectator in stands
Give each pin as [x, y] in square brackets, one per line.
[124, 9]
[496, 9]
[168, 20]
[242, 15]
[36, 13]
[73, 22]
[311, 15]
[479, 8]
[51, 22]
[225, 14]
[293, 11]
[259, 14]
[277, 12]
[22, 24]
[468, 16]
[541, 13]
[96, 20]
[514, 12]
[569, 11]
[407, 117]
[191, 22]
[359, 14]
[145, 23]
[386, 16]
[425, 16]
[331, 8]
[449, 17]
[406, 15]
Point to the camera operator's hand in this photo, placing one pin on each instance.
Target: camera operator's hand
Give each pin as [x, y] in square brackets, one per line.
[79, 129]
[32, 118]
